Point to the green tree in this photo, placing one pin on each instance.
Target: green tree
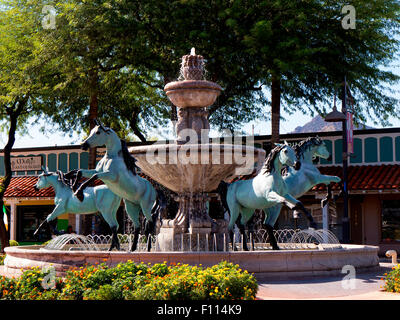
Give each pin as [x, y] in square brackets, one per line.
[26, 76]
[137, 50]
[298, 52]
[310, 53]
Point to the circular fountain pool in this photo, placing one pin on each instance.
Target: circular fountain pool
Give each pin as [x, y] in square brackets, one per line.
[300, 255]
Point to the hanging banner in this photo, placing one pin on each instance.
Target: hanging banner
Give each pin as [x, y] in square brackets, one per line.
[350, 139]
[5, 220]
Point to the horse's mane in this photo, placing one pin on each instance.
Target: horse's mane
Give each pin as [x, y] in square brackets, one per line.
[66, 181]
[268, 166]
[306, 144]
[128, 158]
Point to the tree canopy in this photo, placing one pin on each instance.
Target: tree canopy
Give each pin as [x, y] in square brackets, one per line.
[116, 57]
[26, 78]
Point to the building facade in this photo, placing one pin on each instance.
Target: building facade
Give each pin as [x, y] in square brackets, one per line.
[373, 184]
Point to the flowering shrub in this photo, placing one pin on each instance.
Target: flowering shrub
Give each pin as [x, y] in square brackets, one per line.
[2, 257]
[131, 281]
[13, 243]
[392, 281]
[29, 287]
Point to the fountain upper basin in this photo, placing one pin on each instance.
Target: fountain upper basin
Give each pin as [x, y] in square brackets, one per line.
[192, 93]
[191, 168]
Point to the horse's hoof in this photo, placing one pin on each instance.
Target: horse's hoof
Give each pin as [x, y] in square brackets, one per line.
[275, 248]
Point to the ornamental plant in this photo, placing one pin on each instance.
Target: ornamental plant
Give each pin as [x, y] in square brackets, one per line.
[132, 281]
[392, 281]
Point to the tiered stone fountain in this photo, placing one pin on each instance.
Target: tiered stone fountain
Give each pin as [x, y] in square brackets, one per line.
[192, 166]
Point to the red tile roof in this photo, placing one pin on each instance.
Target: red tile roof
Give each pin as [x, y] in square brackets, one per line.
[23, 187]
[383, 177]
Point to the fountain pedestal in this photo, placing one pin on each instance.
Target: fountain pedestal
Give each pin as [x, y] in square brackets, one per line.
[192, 229]
[193, 176]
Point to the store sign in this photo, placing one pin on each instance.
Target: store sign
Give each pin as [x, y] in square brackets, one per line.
[26, 163]
[349, 126]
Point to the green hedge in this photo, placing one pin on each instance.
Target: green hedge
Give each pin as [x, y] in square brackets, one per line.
[131, 281]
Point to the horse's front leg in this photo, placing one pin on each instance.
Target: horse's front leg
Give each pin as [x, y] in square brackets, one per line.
[328, 179]
[58, 210]
[300, 207]
[293, 204]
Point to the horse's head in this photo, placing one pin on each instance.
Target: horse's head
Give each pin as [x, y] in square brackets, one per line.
[288, 157]
[322, 151]
[43, 180]
[98, 136]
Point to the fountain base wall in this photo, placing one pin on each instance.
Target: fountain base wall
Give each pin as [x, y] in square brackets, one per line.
[264, 264]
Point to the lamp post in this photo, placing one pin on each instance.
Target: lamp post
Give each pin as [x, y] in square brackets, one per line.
[336, 116]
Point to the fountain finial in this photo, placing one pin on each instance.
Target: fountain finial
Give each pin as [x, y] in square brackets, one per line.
[192, 66]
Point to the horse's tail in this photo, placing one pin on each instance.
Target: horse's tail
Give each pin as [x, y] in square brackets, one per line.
[223, 192]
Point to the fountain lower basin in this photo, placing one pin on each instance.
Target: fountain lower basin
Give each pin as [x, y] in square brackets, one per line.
[264, 264]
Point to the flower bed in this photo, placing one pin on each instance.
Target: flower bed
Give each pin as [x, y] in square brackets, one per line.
[392, 281]
[131, 281]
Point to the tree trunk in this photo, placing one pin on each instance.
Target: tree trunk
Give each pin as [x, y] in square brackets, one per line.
[134, 126]
[275, 110]
[93, 113]
[7, 176]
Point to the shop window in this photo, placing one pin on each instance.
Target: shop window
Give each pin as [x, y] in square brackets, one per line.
[328, 144]
[386, 149]
[29, 218]
[338, 151]
[43, 163]
[84, 160]
[356, 157]
[63, 162]
[73, 161]
[390, 220]
[52, 159]
[397, 145]
[1, 166]
[371, 150]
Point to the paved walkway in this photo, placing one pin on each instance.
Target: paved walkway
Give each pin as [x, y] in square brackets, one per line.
[367, 286]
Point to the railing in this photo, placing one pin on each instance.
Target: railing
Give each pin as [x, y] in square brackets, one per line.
[257, 240]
